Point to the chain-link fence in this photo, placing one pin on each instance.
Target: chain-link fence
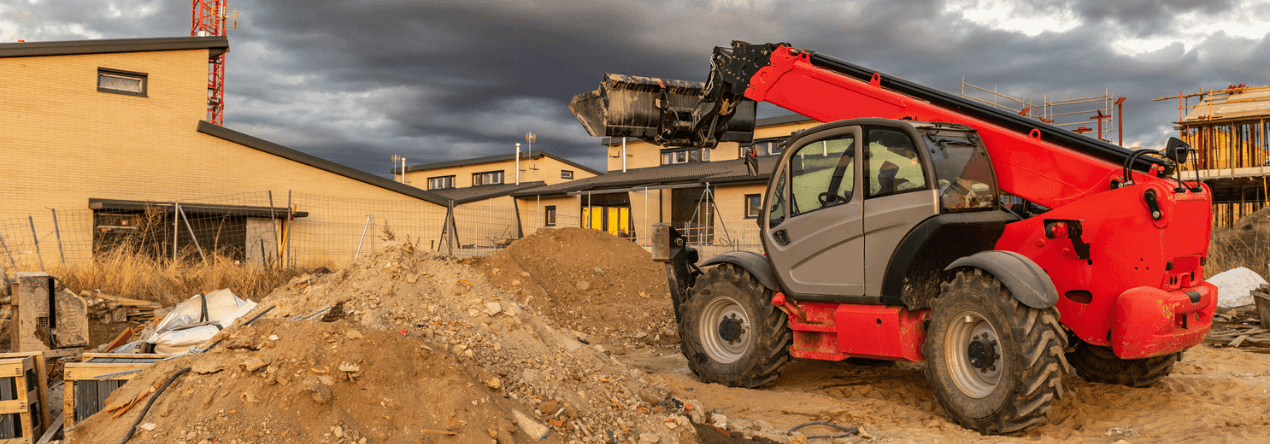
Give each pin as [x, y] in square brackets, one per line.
[296, 229]
[722, 237]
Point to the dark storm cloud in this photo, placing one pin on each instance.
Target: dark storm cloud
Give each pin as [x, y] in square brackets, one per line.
[358, 81]
[1147, 17]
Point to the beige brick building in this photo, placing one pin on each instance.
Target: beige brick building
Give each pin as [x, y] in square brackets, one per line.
[101, 130]
[538, 166]
[486, 215]
[708, 193]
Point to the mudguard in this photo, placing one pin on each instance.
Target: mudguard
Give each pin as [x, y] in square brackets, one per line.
[752, 262]
[1026, 280]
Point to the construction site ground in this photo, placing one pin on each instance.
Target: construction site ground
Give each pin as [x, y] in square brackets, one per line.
[572, 330]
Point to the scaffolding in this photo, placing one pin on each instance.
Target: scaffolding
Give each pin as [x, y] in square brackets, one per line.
[1072, 114]
[1228, 127]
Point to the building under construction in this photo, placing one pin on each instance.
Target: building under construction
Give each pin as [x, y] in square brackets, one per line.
[1227, 128]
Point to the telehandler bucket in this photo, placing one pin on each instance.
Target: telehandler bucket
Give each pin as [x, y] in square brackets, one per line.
[660, 111]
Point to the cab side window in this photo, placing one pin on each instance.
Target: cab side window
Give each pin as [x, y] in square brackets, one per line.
[822, 174]
[892, 164]
[777, 214]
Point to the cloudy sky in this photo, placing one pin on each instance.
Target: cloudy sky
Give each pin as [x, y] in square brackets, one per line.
[359, 81]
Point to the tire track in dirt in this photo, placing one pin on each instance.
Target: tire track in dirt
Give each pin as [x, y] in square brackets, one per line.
[1213, 396]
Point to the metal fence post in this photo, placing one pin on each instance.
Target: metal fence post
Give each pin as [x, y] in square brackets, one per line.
[36, 237]
[273, 226]
[58, 231]
[181, 213]
[9, 253]
[176, 229]
[290, 228]
[363, 239]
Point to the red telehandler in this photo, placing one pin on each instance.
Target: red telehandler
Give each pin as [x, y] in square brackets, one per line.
[916, 225]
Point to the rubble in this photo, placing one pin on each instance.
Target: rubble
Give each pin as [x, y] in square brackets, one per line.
[508, 360]
[423, 348]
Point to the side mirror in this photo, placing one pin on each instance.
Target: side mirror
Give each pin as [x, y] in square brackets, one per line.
[1177, 150]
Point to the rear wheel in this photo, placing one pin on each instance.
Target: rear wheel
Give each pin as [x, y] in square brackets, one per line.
[996, 365]
[730, 331]
[1099, 364]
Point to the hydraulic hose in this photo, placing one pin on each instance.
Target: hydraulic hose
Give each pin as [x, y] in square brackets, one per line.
[133, 429]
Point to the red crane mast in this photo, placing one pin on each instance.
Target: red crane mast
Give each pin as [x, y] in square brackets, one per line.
[208, 19]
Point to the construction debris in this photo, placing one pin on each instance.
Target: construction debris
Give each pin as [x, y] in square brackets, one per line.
[114, 309]
[427, 348]
[38, 326]
[195, 321]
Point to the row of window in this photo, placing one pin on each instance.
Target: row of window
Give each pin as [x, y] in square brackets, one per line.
[764, 147]
[478, 179]
[674, 156]
[753, 205]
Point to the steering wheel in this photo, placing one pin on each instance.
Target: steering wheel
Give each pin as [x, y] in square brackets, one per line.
[827, 198]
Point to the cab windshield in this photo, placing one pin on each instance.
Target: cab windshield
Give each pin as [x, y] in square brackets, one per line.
[964, 172]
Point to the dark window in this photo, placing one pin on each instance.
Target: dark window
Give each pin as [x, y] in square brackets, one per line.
[121, 82]
[566, 174]
[674, 156]
[439, 183]
[753, 205]
[487, 178]
[550, 216]
[822, 174]
[892, 165]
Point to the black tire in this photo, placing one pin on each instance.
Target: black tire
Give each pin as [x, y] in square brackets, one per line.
[1095, 363]
[730, 331]
[996, 365]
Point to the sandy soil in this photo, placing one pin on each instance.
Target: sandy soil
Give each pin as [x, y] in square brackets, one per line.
[1214, 395]
[463, 346]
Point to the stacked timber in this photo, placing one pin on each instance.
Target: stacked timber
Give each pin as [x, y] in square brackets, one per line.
[107, 308]
[1247, 330]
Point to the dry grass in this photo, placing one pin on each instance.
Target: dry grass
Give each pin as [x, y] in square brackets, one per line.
[123, 272]
[1245, 245]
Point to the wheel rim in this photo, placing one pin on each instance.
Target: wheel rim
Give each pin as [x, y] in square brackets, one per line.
[724, 330]
[972, 353]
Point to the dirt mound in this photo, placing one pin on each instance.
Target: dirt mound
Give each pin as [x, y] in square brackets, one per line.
[300, 394]
[436, 338]
[590, 281]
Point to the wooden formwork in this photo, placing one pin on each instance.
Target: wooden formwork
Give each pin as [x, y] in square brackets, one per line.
[24, 413]
[90, 382]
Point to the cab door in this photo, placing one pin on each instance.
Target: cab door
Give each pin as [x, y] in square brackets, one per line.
[813, 216]
[898, 195]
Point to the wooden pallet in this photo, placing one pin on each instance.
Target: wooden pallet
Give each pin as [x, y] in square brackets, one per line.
[95, 378]
[26, 411]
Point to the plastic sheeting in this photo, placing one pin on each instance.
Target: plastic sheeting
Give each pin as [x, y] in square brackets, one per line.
[1234, 287]
[196, 320]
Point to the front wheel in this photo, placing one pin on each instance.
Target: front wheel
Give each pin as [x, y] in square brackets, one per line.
[996, 365]
[730, 331]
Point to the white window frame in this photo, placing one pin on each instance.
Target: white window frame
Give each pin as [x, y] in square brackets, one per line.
[141, 78]
[487, 178]
[447, 181]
